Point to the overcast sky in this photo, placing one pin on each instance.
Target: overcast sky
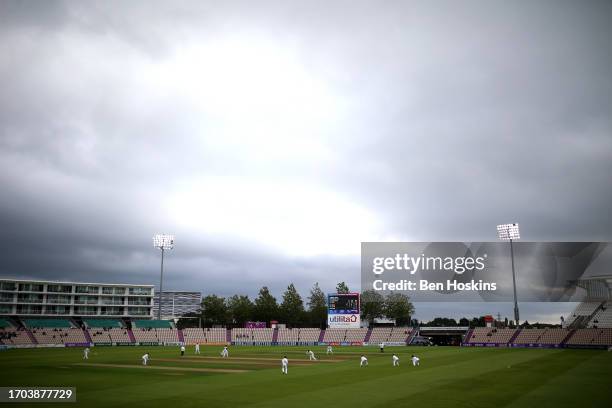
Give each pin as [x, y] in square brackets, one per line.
[273, 137]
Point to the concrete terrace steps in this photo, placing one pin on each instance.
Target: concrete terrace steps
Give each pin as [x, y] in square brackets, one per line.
[87, 336]
[367, 336]
[515, 335]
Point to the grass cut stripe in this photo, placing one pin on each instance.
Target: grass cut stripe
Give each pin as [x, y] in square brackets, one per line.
[203, 370]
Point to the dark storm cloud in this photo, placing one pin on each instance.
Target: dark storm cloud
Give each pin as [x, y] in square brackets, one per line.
[435, 122]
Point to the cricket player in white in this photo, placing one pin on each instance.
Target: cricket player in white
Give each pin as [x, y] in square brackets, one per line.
[182, 351]
[330, 350]
[197, 348]
[225, 352]
[284, 365]
[311, 355]
[382, 347]
[415, 360]
[145, 359]
[395, 361]
[364, 361]
[86, 353]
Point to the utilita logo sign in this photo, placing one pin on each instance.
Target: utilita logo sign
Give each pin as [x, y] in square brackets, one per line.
[343, 318]
[412, 265]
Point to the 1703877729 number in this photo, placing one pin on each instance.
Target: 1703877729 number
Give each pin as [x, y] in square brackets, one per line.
[37, 394]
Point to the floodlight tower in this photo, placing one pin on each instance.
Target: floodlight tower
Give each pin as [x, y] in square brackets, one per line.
[163, 242]
[510, 232]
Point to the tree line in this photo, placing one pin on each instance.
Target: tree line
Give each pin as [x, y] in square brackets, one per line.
[236, 310]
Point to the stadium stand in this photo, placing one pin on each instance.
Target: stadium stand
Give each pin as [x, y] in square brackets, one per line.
[242, 335]
[152, 324]
[167, 335]
[119, 335]
[14, 337]
[356, 335]
[334, 335]
[288, 335]
[603, 316]
[5, 324]
[345, 335]
[553, 336]
[491, 335]
[54, 335]
[48, 323]
[528, 336]
[148, 335]
[591, 337]
[309, 335]
[380, 335]
[582, 314]
[102, 323]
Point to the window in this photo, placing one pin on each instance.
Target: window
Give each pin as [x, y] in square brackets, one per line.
[85, 310]
[30, 287]
[138, 311]
[111, 311]
[140, 291]
[7, 297]
[6, 309]
[87, 289]
[29, 309]
[62, 299]
[111, 300]
[113, 290]
[8, 286]
[59, 288]
[58, 310]
[139, 301]
[29, 298]
[85, 300]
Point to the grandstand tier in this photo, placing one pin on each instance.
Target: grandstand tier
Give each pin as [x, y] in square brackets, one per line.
[102, 323]
[152, 324]
[48, 323]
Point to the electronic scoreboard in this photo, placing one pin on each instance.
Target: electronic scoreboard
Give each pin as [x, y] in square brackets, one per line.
[343, 310]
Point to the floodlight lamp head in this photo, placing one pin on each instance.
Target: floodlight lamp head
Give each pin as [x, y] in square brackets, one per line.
[507, 232]
[163, 241]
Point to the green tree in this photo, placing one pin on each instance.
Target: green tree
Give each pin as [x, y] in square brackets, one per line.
[342, 287]
[240, 309]
[214, 311]
[265, 307]
[372, 306]
[292, 307]
[399, 308]
[317, 306]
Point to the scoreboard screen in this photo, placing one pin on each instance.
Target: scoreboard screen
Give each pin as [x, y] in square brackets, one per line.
[343, 303]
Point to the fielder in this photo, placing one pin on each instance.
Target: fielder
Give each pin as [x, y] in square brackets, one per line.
[364, 361]
[145, 359]
[330, 350]
[311, 355]
[382, 347]
[395, 360]
[182, 350]
[284, 365]
[225, 352]
[197, 348]
[86, 353]
[415, 360]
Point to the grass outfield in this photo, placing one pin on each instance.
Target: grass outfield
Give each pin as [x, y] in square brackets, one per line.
[447, 377]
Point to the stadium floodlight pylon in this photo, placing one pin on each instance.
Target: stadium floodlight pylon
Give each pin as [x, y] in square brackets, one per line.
[163, 242]
[510, 232]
